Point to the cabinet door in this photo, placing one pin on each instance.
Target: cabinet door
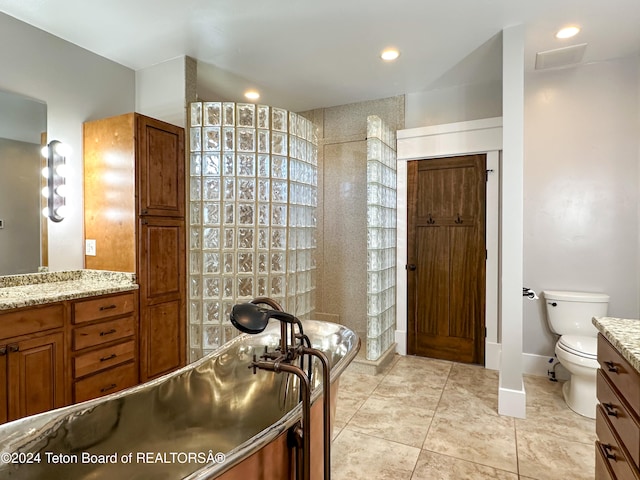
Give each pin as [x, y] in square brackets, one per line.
[162, 277]
[36, 375]
[3, 384]
[160, 168]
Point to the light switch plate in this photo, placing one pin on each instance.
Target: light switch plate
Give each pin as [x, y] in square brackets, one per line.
[90, 248]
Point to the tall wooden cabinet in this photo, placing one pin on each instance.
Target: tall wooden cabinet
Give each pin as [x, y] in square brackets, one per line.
[135, 211]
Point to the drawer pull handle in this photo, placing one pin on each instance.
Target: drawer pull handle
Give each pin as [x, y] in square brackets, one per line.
[3, 350]
[108, 307]
[106, 389]
[611, 366]
[610, 409]
[108, 332]
[104, 359]
[607, 451]
[14, 347]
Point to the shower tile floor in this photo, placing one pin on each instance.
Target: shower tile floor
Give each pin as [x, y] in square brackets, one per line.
[426, 419]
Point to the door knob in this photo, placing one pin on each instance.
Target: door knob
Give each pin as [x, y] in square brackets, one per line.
[411, 267]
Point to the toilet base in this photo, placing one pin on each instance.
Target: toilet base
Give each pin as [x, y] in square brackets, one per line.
[580, 395]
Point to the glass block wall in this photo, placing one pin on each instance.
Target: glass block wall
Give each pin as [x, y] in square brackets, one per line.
[381, 237]
[253, 197]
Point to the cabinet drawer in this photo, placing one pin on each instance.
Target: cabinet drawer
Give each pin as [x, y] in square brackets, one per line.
[104, 358]
[610, 449]
[103, 307]
[102, 332]
[31, 320]
[622, 375]
[603, 470]
[107, 382]
[622, 421]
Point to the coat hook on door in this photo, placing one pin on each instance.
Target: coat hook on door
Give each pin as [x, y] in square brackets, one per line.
[459, 220]
[431, 221]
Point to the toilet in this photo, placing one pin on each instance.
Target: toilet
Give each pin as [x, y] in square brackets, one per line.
[569, 315]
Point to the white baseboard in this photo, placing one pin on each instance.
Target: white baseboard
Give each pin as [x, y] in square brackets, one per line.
[492, 355]
[532, 364]
[512, 403]
[536, 364]
[401, 342]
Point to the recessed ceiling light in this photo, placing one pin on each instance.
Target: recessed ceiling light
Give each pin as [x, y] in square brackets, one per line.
[389, 54]
[568, 32]
[251, 95]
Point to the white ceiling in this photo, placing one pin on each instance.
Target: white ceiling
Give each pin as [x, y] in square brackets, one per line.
[304, 54]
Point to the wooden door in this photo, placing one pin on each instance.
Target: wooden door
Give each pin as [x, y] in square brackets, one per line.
[160, 163]
[446, 258]
[162, 277]
[36, 375]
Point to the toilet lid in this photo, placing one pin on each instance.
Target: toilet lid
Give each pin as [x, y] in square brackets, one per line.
[586, 347]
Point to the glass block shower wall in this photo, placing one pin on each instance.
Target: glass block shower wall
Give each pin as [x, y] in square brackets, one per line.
[381, 237]
[253, 197]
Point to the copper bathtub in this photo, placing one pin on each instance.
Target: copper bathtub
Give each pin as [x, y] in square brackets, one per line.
[214, 418]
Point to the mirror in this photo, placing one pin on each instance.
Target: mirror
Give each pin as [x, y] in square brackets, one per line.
[23, 126]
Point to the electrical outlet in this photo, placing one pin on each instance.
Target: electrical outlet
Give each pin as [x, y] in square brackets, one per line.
[90, 248]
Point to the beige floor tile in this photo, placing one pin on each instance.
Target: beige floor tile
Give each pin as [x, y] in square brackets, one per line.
[484, 439]
[347, 405]
[410, 393]
[474, 379]
[564, 424]
[420, 367]
[359, 382]
[545, 457]
[433, 466]
[392, 421]
[355, 456]
[459, 399]
[536, 386]
[548, 413]
[380, 420]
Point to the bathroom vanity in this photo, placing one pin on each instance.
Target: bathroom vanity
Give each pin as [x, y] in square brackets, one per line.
[618, 390]
[65, 337]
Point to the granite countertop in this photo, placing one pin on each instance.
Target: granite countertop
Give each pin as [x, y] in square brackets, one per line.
[39, 288]
[624, 334]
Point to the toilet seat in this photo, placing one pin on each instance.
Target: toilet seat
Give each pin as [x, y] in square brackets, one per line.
[584, 347]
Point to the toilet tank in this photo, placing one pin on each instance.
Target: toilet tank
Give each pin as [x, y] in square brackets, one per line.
[570, 313]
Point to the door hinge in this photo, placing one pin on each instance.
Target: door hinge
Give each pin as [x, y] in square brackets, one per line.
[486, 254]
[485, 332]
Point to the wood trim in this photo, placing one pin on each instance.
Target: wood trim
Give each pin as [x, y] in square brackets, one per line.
[44, 224]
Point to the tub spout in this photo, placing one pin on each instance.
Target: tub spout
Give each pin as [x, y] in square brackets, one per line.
[251, 318]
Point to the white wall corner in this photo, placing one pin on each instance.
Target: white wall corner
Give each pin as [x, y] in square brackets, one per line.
[512, 403]
[401, 342]
[492, 355]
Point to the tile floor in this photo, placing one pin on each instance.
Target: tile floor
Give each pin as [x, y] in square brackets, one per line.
[426, 419]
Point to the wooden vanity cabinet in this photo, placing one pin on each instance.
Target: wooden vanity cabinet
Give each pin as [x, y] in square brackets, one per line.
[104, 345]
[617, 416]
[135, 210]
[32, 369]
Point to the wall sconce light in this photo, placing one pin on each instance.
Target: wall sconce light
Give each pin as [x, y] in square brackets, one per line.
[55, 172]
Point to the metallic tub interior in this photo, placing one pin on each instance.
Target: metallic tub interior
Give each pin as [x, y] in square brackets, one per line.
[174, 426]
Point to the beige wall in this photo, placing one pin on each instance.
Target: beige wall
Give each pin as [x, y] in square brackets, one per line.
[77, 86]
[342, 206]
[582, 138]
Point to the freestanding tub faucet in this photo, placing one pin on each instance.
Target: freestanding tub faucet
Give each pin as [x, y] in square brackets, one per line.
[251, 318]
